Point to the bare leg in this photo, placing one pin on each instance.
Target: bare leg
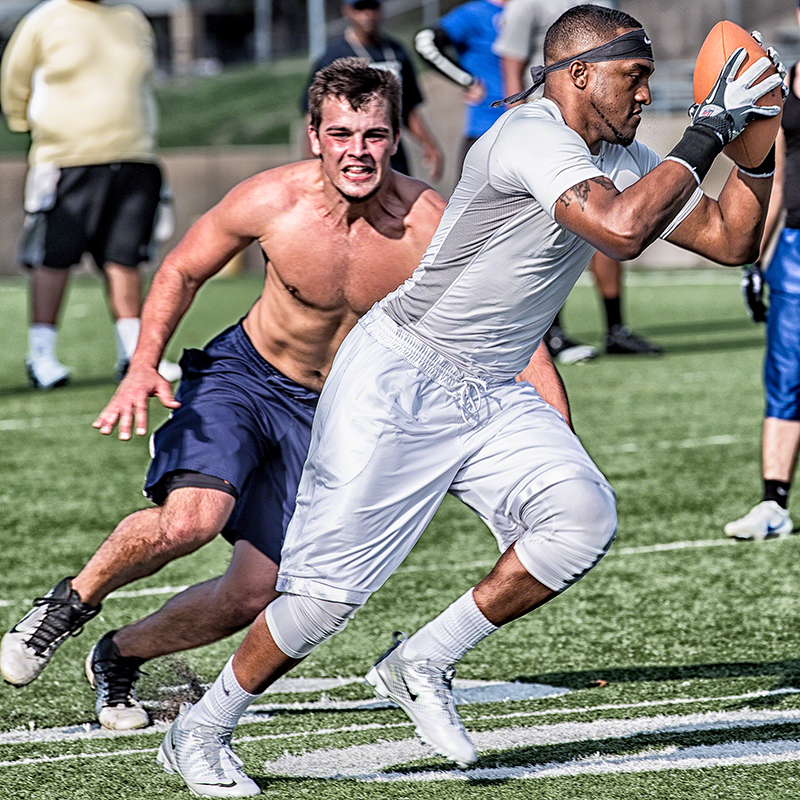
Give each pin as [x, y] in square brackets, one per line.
[509, 591]
[781, 438]
[206, 612]
[124, 290]
[259, 662]
[148, 539]
[47, 290]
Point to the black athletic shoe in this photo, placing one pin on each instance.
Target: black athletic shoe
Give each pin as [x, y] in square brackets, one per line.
[113, 678]
[565, 350]
[621, 340]
[27, 648]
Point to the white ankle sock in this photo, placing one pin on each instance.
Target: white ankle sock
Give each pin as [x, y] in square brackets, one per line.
[450, 635]
[41, 340]
[223, 704]
[127, 331]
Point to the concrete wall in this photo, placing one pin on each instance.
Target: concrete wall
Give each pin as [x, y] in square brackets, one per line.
[199, 178]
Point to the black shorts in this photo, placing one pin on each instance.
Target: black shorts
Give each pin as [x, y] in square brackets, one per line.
[106, 210]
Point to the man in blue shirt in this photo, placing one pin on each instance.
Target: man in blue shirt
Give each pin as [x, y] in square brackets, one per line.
[470, 30]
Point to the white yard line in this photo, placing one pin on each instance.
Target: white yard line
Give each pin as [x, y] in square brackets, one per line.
[349, 762]
[376, 762]
[260, 712]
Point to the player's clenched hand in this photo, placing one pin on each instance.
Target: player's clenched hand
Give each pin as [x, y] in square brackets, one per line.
[128, 407]
[753, 292]
[731, 104]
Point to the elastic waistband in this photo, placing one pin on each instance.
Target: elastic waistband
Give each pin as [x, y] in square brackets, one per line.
[238, 336]
[405, 344]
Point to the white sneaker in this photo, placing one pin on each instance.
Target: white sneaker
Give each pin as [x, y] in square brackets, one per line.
[203, 757]
[28, 647]
[168, 370]
[46, 372]
[763, 520]
[423, 689]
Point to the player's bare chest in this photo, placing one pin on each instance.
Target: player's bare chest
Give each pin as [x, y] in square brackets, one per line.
[350, 272]
[330, 266]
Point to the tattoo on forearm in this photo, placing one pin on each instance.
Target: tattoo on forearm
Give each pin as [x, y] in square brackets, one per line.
[580, 192]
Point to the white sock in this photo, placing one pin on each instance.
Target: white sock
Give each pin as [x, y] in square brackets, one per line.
[223, 704]
[127, 330]
[41, 340]
[450, 635]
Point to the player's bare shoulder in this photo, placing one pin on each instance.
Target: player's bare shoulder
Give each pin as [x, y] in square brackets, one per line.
[263, 204]
[280, 187]
[422, 205]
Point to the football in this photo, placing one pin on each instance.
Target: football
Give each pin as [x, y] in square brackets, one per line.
[751, 147]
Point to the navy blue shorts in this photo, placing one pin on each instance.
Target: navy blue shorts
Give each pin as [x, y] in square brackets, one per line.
[243, 422]
[782, 361]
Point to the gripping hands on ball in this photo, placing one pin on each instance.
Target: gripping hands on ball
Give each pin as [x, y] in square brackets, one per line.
[775, 58]
[731, 104]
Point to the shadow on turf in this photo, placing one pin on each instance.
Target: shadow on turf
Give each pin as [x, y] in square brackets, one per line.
[702, 330]
[786, 673]
[610, 747]
[80, 383]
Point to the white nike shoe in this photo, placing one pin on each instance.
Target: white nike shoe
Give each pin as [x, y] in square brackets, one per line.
[168, 370]
[423, 689]
[203, 757]
[46, 372]
[767, 519]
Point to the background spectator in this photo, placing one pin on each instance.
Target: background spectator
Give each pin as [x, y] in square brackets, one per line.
[77, 77]
[470, 30]
[363, 38]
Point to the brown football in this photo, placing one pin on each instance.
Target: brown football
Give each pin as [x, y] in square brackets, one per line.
[750, 148]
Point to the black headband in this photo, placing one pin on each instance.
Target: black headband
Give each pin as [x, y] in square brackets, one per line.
[633, 44]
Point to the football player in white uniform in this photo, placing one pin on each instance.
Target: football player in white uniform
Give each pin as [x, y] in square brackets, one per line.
[422, 398]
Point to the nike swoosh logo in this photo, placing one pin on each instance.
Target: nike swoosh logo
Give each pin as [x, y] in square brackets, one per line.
[226, 691]
[411, 694]
[227, 785]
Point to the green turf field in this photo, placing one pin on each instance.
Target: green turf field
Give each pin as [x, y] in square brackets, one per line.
[696, 638]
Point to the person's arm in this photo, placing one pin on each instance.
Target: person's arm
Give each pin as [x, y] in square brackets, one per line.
[775, 210]
[542, 373]
[16, 74]
[412, 99]
[434, 45]
[513, 71]
[727, 230]
[432, 158]
[623, 224]
[515, 43]
[205, 249]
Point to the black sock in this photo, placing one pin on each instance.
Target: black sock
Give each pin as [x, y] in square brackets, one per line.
[777, 491]
[613, 308]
